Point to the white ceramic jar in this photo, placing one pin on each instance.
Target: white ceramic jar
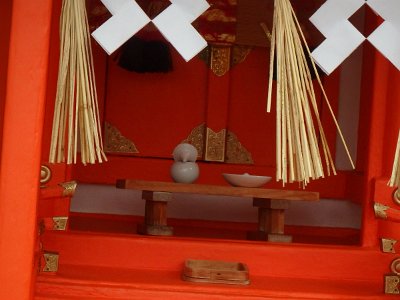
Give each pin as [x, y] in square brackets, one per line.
[184, 172]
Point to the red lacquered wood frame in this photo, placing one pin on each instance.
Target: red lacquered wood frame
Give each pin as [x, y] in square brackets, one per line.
[19, 193]
[21, 148]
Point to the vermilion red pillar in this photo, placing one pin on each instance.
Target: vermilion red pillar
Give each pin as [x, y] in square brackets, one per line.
[22, 133]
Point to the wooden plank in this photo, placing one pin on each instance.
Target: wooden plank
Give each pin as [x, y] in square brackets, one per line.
[216, 190]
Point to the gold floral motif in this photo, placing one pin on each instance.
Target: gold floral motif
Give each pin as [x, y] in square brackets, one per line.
[196, 138]
[220, 59]
[236, 153]
[392, 284]
[117, 143]
[215, 145]
[50, 262]
[380, 210]
[69, 188]
[60, 223]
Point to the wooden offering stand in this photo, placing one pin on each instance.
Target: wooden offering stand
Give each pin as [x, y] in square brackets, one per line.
[271, 204]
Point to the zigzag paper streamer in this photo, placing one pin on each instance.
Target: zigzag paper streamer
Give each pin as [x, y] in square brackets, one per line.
[174, 23]
[386, 38]
[342, 38]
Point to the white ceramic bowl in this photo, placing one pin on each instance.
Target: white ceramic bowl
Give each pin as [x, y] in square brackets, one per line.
[246, 180]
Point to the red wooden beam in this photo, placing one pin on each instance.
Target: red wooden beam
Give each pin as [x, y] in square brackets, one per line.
[20, 157]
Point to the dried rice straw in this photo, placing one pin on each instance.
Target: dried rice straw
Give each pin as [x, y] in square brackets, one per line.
[76, 112]
[395, 178]
[297, 150]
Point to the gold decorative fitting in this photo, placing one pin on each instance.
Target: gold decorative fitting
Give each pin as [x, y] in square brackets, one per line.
[45, 175]
[239, 54]
[392, 284]
[50, 262]
[396, 196]
[395, 266]
[60, 223]
[380, 210]
[388, 245]
[69, 188]
[115, 142]
[215, 145]
[220, 59]
[236, 153]
[196, 138]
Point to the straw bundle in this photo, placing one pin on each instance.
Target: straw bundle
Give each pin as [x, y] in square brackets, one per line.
[297, 142]
[76, 113]
[395, 178]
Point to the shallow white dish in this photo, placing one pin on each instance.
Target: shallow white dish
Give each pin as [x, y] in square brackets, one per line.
[246, 180]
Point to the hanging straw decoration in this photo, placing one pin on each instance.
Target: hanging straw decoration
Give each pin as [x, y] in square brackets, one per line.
[395, 178]
[298, 155]
[76, 112]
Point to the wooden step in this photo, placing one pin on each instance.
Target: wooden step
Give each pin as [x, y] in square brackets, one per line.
[130, 266]
[90, 282]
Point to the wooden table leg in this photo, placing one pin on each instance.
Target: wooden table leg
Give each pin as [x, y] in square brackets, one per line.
[271, 220]
[156, 213]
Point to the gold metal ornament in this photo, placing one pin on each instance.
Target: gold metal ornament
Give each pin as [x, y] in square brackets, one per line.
[220, 59]
[69, 188]
[196, 138]
[236, 153]
[215, 145]
[395, 266]
[51, 262]
[392, 284]
[60, 223]
[115, 142]
[388, 245]
[239, 54]
[380, 210]
[45, 175]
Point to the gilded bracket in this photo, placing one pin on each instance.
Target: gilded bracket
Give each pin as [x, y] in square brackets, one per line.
[221, 58]
[388, 245]
[53, 223]
[220, 61]
[215, 145]
[69, 188]
[50, 262]
[380, 210]
[235, 152]
[196, 138]
[392, 284]
[115, 142]
[392, 281]
[60, 223]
